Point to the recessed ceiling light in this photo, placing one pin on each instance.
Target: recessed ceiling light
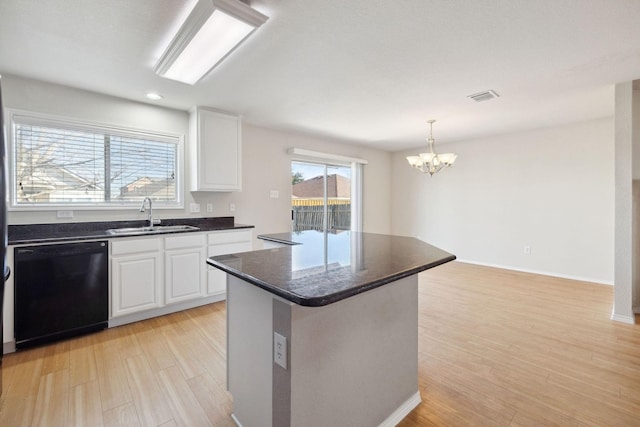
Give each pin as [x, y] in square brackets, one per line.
[154, 96]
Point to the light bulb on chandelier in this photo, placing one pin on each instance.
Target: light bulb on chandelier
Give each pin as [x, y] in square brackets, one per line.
[431, 162]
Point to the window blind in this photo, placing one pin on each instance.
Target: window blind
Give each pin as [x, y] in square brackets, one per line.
[55, 163]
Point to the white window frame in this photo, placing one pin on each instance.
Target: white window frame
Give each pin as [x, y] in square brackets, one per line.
[88, 126]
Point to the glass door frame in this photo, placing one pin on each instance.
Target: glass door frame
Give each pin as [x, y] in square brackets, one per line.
[356, 170]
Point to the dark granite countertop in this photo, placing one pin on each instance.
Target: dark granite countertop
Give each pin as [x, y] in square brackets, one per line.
[323, 268]
[61, 232]
[290, 238]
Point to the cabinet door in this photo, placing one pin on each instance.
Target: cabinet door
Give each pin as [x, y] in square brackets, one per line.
[221, 243]
[185, 270]
[136, 283]
[216, 281]
[216, 152]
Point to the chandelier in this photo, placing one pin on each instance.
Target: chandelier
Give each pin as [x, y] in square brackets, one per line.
[431, 162]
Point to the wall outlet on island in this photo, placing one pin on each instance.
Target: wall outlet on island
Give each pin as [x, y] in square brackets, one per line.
[280, 350]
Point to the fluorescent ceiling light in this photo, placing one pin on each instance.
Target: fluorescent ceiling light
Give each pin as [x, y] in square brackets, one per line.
[211, 31]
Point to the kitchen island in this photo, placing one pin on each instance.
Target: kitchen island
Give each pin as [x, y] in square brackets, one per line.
[324, 330]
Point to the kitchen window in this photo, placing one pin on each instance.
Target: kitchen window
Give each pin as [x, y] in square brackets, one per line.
[60, 163]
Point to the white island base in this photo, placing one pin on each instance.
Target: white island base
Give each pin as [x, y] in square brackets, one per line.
[350, 363]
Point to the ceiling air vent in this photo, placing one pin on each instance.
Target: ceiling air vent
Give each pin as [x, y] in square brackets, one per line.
[484, 96]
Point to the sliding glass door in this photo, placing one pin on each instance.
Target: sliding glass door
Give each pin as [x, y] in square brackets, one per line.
[321, 197]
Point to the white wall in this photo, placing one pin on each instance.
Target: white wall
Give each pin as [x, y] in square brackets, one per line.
[36, 96]
[550, 189]
[266, 165]
[635, 253]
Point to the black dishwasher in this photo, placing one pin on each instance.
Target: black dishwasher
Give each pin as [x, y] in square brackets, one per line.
[61, 290]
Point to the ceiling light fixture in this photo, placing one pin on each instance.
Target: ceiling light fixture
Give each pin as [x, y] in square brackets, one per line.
[154, 96]
[431, 162]
[213, 29]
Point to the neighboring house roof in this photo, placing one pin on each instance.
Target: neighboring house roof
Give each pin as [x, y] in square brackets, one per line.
[136, 185]
[46, 180]
[145, 186]
[337, 186]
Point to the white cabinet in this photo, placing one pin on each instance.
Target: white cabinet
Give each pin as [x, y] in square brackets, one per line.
[215, 151]
[136, 275]
[185, 267]
[221, 243]
[161, 272]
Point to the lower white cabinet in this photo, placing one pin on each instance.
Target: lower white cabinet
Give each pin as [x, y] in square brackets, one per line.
[216, 281]
[221, 243]
[185, 267]
[136, 275]
[156, 272]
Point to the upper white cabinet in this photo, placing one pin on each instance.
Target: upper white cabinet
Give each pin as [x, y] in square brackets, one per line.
[215, 151]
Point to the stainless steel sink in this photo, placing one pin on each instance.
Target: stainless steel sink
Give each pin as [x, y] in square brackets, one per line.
[151, 230]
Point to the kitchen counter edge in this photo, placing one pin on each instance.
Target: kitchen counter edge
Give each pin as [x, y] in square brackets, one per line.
[233, 265]
[327, 299]
[26, 234]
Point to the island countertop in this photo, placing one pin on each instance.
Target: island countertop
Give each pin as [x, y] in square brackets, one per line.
[322, 268]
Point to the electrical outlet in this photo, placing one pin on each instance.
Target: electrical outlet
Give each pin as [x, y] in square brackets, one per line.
[280, 350]
[274, 194]
[64, 214]
[232, 207]
[527, 250]
[209, 207]
[194, 207]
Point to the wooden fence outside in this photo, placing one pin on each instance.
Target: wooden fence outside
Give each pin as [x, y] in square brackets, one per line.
[311, 217]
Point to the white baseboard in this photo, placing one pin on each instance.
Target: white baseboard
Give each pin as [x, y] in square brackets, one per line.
[543, 273]
[391, 421]
[402, 411]
[167, 309]
[9, 347]
[624, 319]
[235, 420]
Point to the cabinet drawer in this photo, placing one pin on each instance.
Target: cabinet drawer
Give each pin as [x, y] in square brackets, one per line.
[224, 237]
[127, 246]
[190, 240]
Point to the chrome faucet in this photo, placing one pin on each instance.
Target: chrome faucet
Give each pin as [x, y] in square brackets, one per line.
[150, 215]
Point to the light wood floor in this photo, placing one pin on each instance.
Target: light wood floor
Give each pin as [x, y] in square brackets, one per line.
[497, 348]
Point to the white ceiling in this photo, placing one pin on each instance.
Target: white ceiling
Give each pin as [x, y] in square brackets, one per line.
[366, 71]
